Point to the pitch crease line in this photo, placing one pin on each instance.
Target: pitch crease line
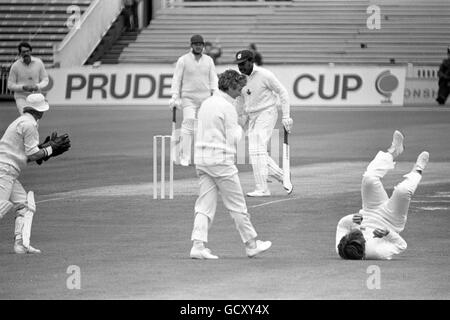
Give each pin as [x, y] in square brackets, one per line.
[274, 201]
[47, 200]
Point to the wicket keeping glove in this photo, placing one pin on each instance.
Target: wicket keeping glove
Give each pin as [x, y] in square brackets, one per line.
[59, 144]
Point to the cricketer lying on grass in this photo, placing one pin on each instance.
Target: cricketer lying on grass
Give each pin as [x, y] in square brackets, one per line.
[18, 146]
[373, 233]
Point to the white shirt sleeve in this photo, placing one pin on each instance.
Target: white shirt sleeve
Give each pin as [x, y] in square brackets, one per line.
[214, 80]
[43, 76]
[177, 78]
[30, 137]
[233, 130]
[345, 225]
[385, 248]
[275, 85]
[13, 84]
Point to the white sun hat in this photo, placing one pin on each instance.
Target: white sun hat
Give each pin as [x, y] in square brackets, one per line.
[37, 102]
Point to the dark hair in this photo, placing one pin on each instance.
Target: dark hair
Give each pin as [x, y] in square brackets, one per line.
[231, 79]
[24, 44]
[253, 46]
[352, 246]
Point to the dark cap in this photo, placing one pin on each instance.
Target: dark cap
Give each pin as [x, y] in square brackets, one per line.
[197, 39]
[244, 55]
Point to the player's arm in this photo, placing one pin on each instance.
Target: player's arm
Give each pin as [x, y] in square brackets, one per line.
[345, 225]
[391, 245]
[43, 77]
[41, 154]
[239, 104]
[13, 84]
[213, 79]
[275, 85]
[233, 130]
[176, 83]
[31, 143]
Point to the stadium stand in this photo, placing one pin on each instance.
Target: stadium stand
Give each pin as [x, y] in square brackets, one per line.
[42, 23]
[303, 31]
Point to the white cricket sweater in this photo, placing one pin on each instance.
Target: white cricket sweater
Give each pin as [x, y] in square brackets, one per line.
[194, 79]
[262, 92]
[22, 74]
[376, 248]
[218, 131]
[19, 141]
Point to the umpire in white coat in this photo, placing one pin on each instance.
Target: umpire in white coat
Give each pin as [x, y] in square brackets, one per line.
[215, 154]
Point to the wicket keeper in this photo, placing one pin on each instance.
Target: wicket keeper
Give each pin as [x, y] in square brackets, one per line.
[19, 146]
[215, 153]
[374, 232]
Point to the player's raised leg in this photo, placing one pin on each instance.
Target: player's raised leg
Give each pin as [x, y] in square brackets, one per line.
[398, 205]
[372, 191]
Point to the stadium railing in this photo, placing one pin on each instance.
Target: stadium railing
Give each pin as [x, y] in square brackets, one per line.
[84, 37]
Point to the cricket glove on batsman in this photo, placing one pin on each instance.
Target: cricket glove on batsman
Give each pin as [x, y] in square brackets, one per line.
[287, 124]
[58, 144]
[174, 102]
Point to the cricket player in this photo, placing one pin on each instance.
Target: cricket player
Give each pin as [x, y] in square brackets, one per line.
[215, 153]
[18, 146]
[193, 81]
[27, 75]
[374, 232]
[258, 105]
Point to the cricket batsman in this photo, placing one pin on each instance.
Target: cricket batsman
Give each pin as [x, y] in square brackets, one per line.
[215, 153]
[374, 232]
[259, 104]
[193, 81]
[18, 146]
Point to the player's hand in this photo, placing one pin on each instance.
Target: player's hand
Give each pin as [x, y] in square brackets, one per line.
[380, 233]
[287, 124]
[174, 103]
[27, 88]
[357, 218]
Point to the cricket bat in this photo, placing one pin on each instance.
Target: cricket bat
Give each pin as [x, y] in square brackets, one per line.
[286, 161]
[175, 140]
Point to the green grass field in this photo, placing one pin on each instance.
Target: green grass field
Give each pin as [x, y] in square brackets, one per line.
[96, 212]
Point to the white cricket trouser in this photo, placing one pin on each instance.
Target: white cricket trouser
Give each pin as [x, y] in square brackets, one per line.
[20, 103]
[376, 203]
[260, 132]
[223, 179]
[12, 191]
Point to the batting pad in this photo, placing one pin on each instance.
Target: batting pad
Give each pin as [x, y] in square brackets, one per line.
[5, 206]
[28, 219]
